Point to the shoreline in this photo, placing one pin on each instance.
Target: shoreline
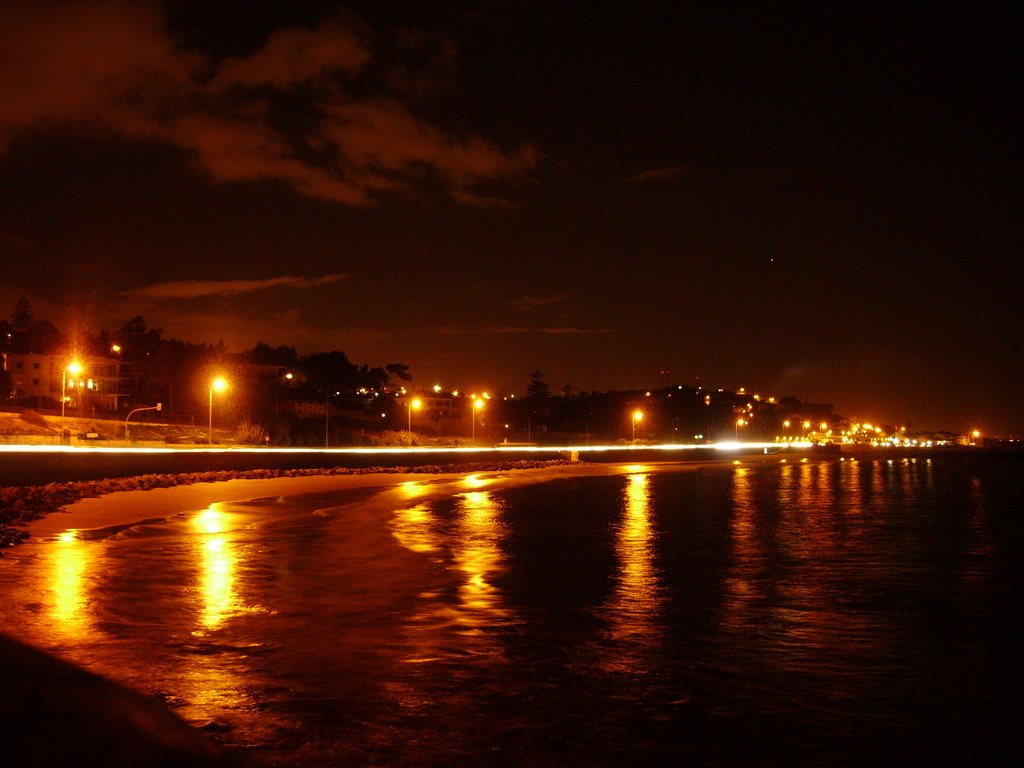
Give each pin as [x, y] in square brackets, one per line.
[22, 508]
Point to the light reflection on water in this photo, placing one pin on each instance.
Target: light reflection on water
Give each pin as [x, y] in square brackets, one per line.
[634, 610]
[478, 555]
[468, 542]
[69, 561]
[217, 564]
[747, 613]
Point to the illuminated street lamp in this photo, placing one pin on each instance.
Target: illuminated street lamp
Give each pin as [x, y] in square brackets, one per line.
[785, 429]
[411, 405]
[806, 426]
[638, 416]
[74, 369]
[220, 385]
[478, 405]
[739, 423]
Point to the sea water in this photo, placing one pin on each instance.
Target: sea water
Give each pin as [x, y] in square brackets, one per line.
[779, 613]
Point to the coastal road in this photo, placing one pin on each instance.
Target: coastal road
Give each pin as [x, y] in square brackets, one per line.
[40, 465]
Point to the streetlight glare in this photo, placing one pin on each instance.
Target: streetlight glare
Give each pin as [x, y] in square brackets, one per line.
[74, 368]
[478, 405]
[413, 405]
[218, 384]
[637, 417]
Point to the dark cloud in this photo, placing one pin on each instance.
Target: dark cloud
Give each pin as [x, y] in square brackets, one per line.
[504, 330]
[527, 303]
[193, 289]
[669, 173]
[295, 56]
[115, 66]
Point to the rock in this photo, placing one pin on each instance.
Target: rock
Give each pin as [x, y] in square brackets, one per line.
[55, 714]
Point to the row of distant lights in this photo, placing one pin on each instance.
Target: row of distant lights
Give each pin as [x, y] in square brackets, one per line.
[219, 384]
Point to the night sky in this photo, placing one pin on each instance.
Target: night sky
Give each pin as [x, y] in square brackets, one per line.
[816, 200]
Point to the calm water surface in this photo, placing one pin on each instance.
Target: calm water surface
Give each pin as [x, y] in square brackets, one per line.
[834, 613]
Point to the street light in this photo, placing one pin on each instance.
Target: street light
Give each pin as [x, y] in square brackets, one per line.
[157, 407]
[478, 405]
[638, 416]
[220, 385]
[411, 405]
[74, 369]
[739, 423]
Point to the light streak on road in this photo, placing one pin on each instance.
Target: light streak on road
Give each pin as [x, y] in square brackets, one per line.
[724, 447]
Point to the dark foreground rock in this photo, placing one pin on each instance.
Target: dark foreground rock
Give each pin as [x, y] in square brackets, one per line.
[55, 714]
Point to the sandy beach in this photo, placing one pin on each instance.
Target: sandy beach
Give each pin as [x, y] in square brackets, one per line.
[124, 508]
[98, 712]
[127, 507]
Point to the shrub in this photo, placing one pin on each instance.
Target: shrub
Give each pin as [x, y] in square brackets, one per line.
[34, 418]
[250, 433]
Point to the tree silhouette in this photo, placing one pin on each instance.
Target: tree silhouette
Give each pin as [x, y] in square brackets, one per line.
[539, 388]
[43, 338]
[398, 370]
[21, 318]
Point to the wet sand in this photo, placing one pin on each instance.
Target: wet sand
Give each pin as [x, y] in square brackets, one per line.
[41, 690]
[124, 508]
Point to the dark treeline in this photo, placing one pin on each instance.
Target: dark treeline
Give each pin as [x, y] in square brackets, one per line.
[276, 395]
[672, 414]
[138, 367]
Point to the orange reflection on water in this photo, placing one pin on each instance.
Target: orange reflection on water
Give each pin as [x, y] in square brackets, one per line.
[411, 526]
[634, 610]
[796, 538]
[478, 555]
[745, 580]
[475, 481]
[218, 562]
[637, 583]
[412, 489]
[439, 630]
[70, 558]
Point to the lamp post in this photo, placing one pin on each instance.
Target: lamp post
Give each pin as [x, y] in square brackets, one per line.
[739, 423]
[413, 404]
[220, 385]
[478, 405]
[638, 416]
[74, 369]
[157, 407]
